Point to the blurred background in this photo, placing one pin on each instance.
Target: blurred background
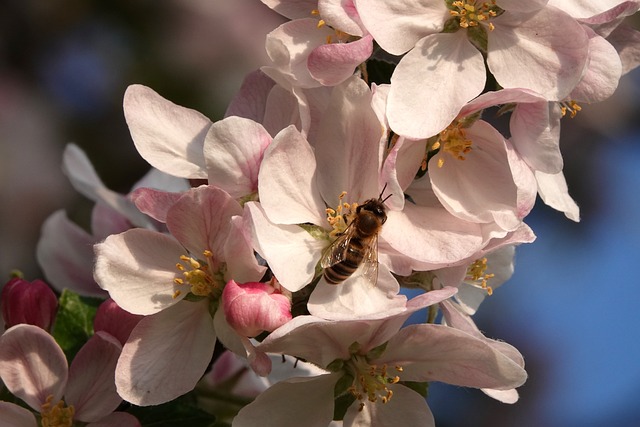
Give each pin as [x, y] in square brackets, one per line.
[570, 308]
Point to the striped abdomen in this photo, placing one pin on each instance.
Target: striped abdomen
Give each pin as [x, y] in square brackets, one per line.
[341, 271]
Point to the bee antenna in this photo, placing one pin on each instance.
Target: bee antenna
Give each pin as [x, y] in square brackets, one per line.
[382, 192]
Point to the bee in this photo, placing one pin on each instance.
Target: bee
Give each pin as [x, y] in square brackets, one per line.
[357, 245]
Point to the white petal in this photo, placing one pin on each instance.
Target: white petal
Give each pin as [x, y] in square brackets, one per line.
[251, 99]
[405, 403]
[554, 192]
[138, 267]
[168, 136]
[286, 403]
[287, 181]
[291, 252]
[444, 70]
[356, 297]
[166, 354]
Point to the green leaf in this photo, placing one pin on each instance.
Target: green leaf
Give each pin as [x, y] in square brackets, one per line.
[74, 321]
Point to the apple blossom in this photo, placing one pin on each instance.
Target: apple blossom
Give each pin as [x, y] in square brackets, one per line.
[34, 368]
[150, 273]
[368, 360]
[527, 44]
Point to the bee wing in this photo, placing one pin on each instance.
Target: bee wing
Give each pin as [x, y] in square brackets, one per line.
[337, 250]
[370, 261]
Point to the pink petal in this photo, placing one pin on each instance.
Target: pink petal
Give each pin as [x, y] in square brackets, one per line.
[626, 40]
[242, 264]
[341, 15]
[138, 267]
[200, 220]
[233, 150]
[166, 354]
[168, 136]
[12, 415]
[287, 181]
[292, 9]
[154, 203]
[286, 401]
[251, 99]
[456, 74]
[91, 388]
[333, 63]
[32, 365]
[64, 253]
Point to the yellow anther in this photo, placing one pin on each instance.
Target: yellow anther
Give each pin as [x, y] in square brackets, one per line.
[477, 276]
[178, 281]
[315, 12]
[321, 23]
[207, 253]
[176, 294]
[57, 415]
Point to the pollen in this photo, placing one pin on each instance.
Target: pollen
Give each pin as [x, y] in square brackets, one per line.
[477, 275]
[57, 415]
[471, 13]
[371, 381]
[572, 107]
[453, 140]
[340, 217]
[197, 275]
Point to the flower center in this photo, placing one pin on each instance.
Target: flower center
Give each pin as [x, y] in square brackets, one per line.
[57, 415]
[201, 278]
[453, 140]
[339, 219]
[477, 275]
[370, 381]
[471, 13]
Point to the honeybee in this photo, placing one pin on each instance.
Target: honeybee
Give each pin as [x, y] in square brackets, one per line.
[357, 245]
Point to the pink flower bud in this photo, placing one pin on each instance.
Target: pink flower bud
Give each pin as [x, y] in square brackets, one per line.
[115, 321]
[253, 307]
[22, 301]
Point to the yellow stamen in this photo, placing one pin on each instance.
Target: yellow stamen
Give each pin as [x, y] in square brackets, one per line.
[477, 276]
[57, 415]
[471, 13]
[453, 140]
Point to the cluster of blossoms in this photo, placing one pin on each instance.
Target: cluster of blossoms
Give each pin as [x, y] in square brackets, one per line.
[219, 266]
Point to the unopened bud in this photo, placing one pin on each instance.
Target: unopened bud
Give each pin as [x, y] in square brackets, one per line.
[33, 303]
[251, 308]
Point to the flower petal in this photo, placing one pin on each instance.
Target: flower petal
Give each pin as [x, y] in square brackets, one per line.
[287, 181]
[554, 192]
[449, 58]
[138, 267]
[291, 252]
[233, 150]
[166, 135]
[405, 402]
[251, 99]
[32, 365]
[283, 404]
[64, 253]
[12, 415]
[154, 203]
[545, 52]
[200, 220]
[166, 354]
[430, 352]
[91, 388]
[333, 63]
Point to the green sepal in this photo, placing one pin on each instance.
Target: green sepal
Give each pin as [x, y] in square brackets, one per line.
[342, 403]
[74, 321]
[376, 352]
